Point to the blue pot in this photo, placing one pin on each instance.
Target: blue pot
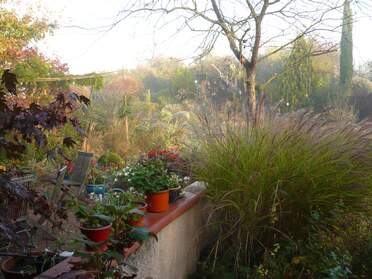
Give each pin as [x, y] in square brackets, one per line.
[96, 188]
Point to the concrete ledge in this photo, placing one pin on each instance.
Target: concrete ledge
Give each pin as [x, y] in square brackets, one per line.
[180, 241]
[155, 222]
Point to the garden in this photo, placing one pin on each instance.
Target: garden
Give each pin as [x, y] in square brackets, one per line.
[290, 198]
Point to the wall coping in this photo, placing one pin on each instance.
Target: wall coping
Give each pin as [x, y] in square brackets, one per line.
[155, 222]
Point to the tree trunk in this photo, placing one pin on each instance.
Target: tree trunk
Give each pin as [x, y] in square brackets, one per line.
[126, 129]
[251, 94]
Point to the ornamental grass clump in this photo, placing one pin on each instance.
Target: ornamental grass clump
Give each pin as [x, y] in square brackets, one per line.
[266, 182]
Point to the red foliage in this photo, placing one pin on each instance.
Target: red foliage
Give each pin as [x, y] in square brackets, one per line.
[28, 123]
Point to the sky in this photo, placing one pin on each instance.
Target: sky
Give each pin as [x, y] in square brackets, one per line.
[134, 42]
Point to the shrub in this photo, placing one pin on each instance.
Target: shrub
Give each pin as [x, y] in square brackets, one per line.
[110, 158]
[266, 182]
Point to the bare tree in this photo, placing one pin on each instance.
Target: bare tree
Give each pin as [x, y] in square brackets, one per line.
[250, 26]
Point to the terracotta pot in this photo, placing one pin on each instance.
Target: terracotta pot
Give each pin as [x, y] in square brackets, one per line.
[141, 221]
[158, 202]
[97, 234]
[9, 264]
[174, 194]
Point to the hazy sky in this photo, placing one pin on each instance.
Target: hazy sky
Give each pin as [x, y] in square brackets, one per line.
[134, 42]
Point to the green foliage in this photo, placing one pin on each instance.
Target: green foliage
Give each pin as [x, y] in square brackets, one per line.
[183, 84]
[265, 184]
[98, 175]
[362, 86]
[346, 57]
[122, 208]
[100, 264]
[91, 217]
[299, 78]
[321, 255]
[124, 198]
[110, 158]
[17, 32]
[334, 247]
[93, 80]
[32, 68]
[148, 176]
[117, 209]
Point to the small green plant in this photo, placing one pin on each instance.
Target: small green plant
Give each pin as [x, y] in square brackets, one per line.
[98, 176]
[124, 198]
[101, 264]
[110, 159]
[122, 208]
[148, 176]
[90, 216]
[132, 201]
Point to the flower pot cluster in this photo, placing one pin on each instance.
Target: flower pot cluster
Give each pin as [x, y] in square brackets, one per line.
[114, 222]
[151, 177]
[110, 226]
[147, 185]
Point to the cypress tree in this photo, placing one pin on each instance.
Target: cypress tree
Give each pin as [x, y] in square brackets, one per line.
[346, 57]
[297, 82]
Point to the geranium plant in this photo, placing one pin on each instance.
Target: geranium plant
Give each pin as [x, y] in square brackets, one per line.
[174, 162]
[164, 154]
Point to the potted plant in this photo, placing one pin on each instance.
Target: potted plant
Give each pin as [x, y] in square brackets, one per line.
[175, 190]
[123, 209]
[151, 178]
[177, 166]
[94, 225]
[96, 181]
[111, 262]
[133, 201]
[138, 214]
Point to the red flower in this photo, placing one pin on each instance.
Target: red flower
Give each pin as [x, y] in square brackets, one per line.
[152, 153]
[164, 153]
